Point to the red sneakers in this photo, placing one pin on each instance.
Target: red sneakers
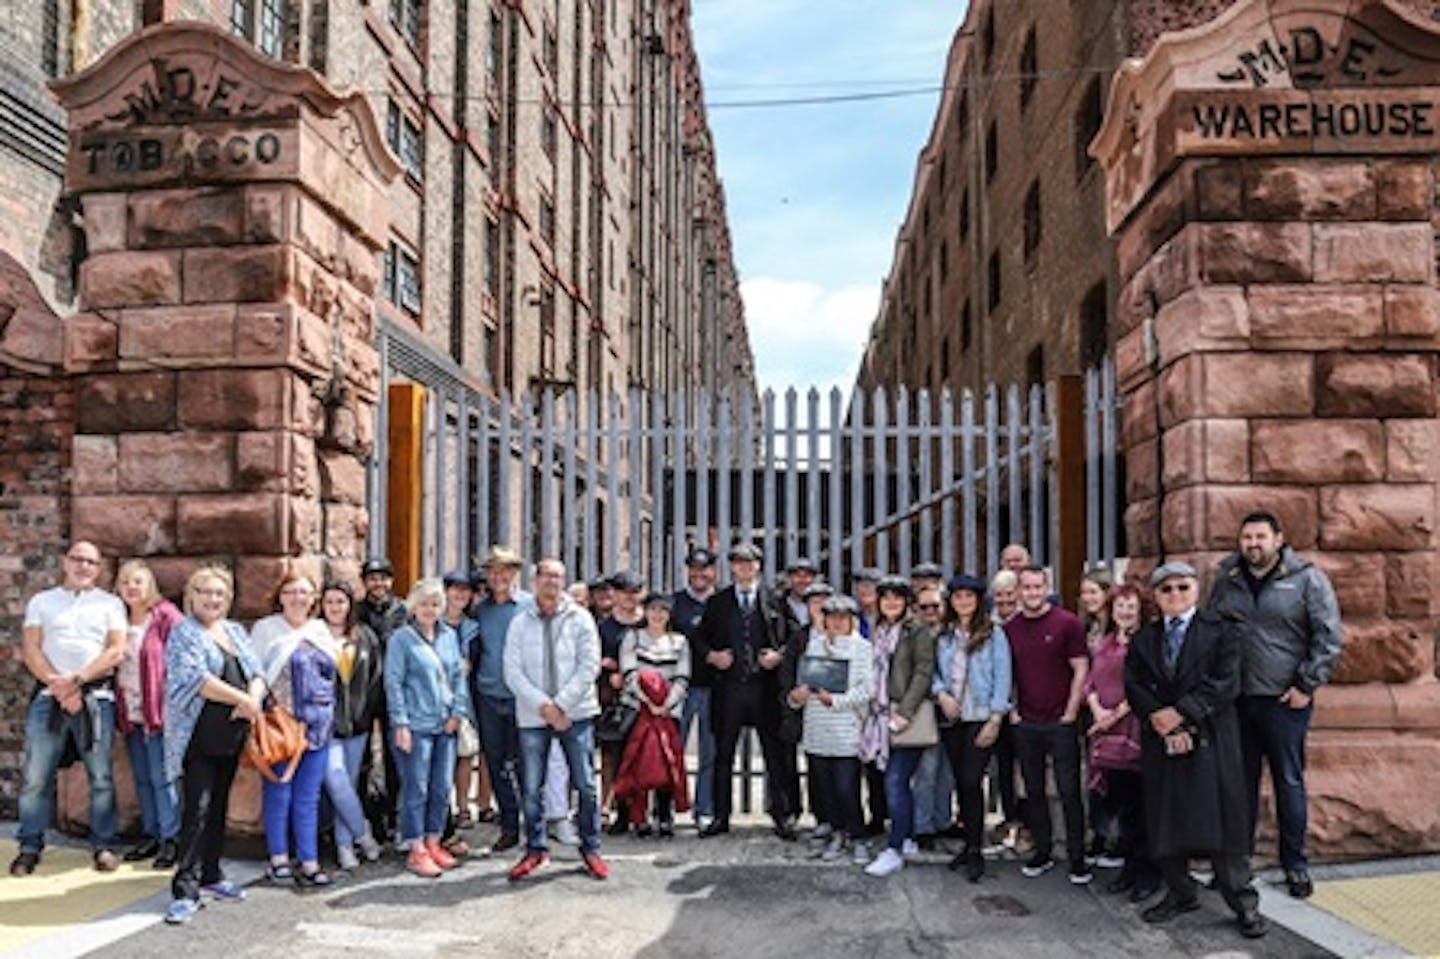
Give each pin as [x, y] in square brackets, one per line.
[420, 863]
[439, 854]
[596, 866]
[531, 862]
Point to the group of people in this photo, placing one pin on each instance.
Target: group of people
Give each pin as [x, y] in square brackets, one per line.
[913, 690]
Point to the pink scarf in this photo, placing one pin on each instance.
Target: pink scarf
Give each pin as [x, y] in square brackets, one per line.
[875, 731]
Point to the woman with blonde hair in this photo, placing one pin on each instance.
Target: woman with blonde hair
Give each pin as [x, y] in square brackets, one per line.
[299, 655]
[426, 693]
[140, 710]
[213, 692]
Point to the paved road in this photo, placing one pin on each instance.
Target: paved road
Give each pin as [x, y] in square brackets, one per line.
[745, 895]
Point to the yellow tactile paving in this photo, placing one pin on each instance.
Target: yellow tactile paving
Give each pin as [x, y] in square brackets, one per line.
[67, 890]
[1401, 909]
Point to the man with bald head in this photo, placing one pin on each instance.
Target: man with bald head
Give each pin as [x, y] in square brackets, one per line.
[73, 638]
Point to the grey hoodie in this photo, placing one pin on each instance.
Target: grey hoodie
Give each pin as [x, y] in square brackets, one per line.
[1291, 635]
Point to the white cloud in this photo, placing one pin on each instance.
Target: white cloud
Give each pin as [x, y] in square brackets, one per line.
[804, 334]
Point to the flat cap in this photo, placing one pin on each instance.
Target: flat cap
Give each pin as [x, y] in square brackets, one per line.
[1170, 570]
[927, 571]
[898, 585]
[966, 581]
[700, 556]
[377, 564]
[819, 588]
[840, 605]
[801, 564]
[457, 577]
[627, 581]
[868, 574]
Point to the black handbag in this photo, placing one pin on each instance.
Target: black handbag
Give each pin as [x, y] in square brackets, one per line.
[615, 722]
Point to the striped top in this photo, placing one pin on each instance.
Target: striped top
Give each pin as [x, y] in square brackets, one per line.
[834, 730]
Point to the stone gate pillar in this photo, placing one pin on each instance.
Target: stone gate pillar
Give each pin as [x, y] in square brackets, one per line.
[1271, 182]
[224, 360]
[233, 207]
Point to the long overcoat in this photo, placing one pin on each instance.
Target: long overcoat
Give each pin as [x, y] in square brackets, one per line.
[1194, 803]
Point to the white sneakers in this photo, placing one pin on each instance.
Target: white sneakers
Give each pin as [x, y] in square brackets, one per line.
[909, 848]
[889, 861]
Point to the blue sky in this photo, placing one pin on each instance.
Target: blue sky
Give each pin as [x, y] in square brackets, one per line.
[816, 193]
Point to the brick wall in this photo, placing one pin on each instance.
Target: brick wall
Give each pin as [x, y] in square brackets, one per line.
[36, 427]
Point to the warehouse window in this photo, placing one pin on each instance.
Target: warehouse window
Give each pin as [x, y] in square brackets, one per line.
[1094, 328]
[1029, 69]
[50, 38]
[262, 22]
[992, 152]
[966, 331]
[1087, 124]
[405, 18]
[1032, 220]
[401, 281]
[994, 284]
[406, 139]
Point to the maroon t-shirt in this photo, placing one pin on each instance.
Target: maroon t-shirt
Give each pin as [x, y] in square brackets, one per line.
[1042, 648]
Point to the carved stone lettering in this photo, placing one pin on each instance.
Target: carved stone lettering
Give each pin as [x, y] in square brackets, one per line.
[1309, 61]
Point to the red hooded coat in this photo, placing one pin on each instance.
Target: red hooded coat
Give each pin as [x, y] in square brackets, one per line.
[654, 757]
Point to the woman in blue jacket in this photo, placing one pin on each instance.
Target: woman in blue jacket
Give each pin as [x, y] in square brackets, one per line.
[972, 689]
[426, 692]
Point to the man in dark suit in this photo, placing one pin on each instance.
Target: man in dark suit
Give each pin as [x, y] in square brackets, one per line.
[740, 636]
[1182, 678]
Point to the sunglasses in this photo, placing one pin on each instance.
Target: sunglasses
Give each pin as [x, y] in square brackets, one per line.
[928, 606]
[1175, 588]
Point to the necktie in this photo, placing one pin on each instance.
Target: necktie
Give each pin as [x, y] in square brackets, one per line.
[745, 602]
[1174, 639]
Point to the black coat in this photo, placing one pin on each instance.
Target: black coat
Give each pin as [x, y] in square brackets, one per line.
[722, 628]
[1195, 803]
[359, 702]
[792, 720]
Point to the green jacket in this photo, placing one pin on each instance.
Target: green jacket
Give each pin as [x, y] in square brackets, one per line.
[912, 667]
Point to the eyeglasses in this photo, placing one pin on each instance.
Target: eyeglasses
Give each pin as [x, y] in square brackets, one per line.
[82, 560]
[1175, 588]
[297, 591]
[928, 607]
[214, 592]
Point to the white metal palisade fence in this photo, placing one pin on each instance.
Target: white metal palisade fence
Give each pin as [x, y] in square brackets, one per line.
[887, 478]
[1104, 480]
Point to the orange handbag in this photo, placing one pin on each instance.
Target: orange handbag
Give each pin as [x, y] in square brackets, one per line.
[278, 737]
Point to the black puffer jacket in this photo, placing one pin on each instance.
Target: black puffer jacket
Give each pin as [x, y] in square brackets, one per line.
[359, 702]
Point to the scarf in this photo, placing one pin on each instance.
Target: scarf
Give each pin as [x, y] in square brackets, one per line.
[875, 731]
[959, 667]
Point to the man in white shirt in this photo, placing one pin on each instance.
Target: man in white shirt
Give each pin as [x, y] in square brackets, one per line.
[74, 637]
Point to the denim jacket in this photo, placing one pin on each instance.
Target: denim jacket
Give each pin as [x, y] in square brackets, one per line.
[988, 675]
[424, 682]
[191, 657]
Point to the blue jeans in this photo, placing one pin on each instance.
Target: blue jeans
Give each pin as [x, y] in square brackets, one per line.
[898, 794]
[934, 785]
[427, 773]
[578, 742]
[159, 800]
[500, 740]
[1272, 731]
[697, 710]
[43, 748]
[342, 771]
[293, 808]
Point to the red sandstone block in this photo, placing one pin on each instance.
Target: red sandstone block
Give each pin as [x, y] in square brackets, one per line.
[118, 279]
[1234, 385]
[1173, 269]
[1352, 707]
[267, 213]
[1374, 253]
[317, 232]
[1208, 517]
[1381, 516]
[257, 576]
[345, 531]
[176, 462]
[1410, 580]
[234, 399]
[1169, 207]
[361, 266]
[1220, 191]
[263, 332]
[95, 464]
[1204, 319]
[342, 478]
[125, 525]
[1255, 252]
[1141, 470]
[1379, 651]
[1142, 531]
[164, 219]
[178, 333]
[1316, 317]
[278, 460]
[120, 403]
[90, 342]
[242, 274]
[1381, 385]
[1402, 190]
[1207, 451]
[1412, 316]
[105, 216]
[1412, 450]
[1131, 364]
[1359, 581]
[1317, 451]
[243, 523]
[306, 523]
[1306, 189]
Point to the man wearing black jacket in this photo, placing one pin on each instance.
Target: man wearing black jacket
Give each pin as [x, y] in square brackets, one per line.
[687, 611]
[740, 636]
[384, 613]
[1182, 678]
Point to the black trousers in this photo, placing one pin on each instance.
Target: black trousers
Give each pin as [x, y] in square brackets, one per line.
[741, 705]
[1034, 743]
[968, 762]
[875, 790]
[835, 793]
[1125, 798]
[1012, 807]
[1232, 875]
[204, 801]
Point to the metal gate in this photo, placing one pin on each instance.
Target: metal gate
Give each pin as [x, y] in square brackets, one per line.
[611, 481]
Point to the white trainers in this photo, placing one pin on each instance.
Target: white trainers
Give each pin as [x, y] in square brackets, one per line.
[834, 849]
[887, 862]
[564, 832]
[860, 853]
[345, 855]
[909, 848]
[369, 848]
